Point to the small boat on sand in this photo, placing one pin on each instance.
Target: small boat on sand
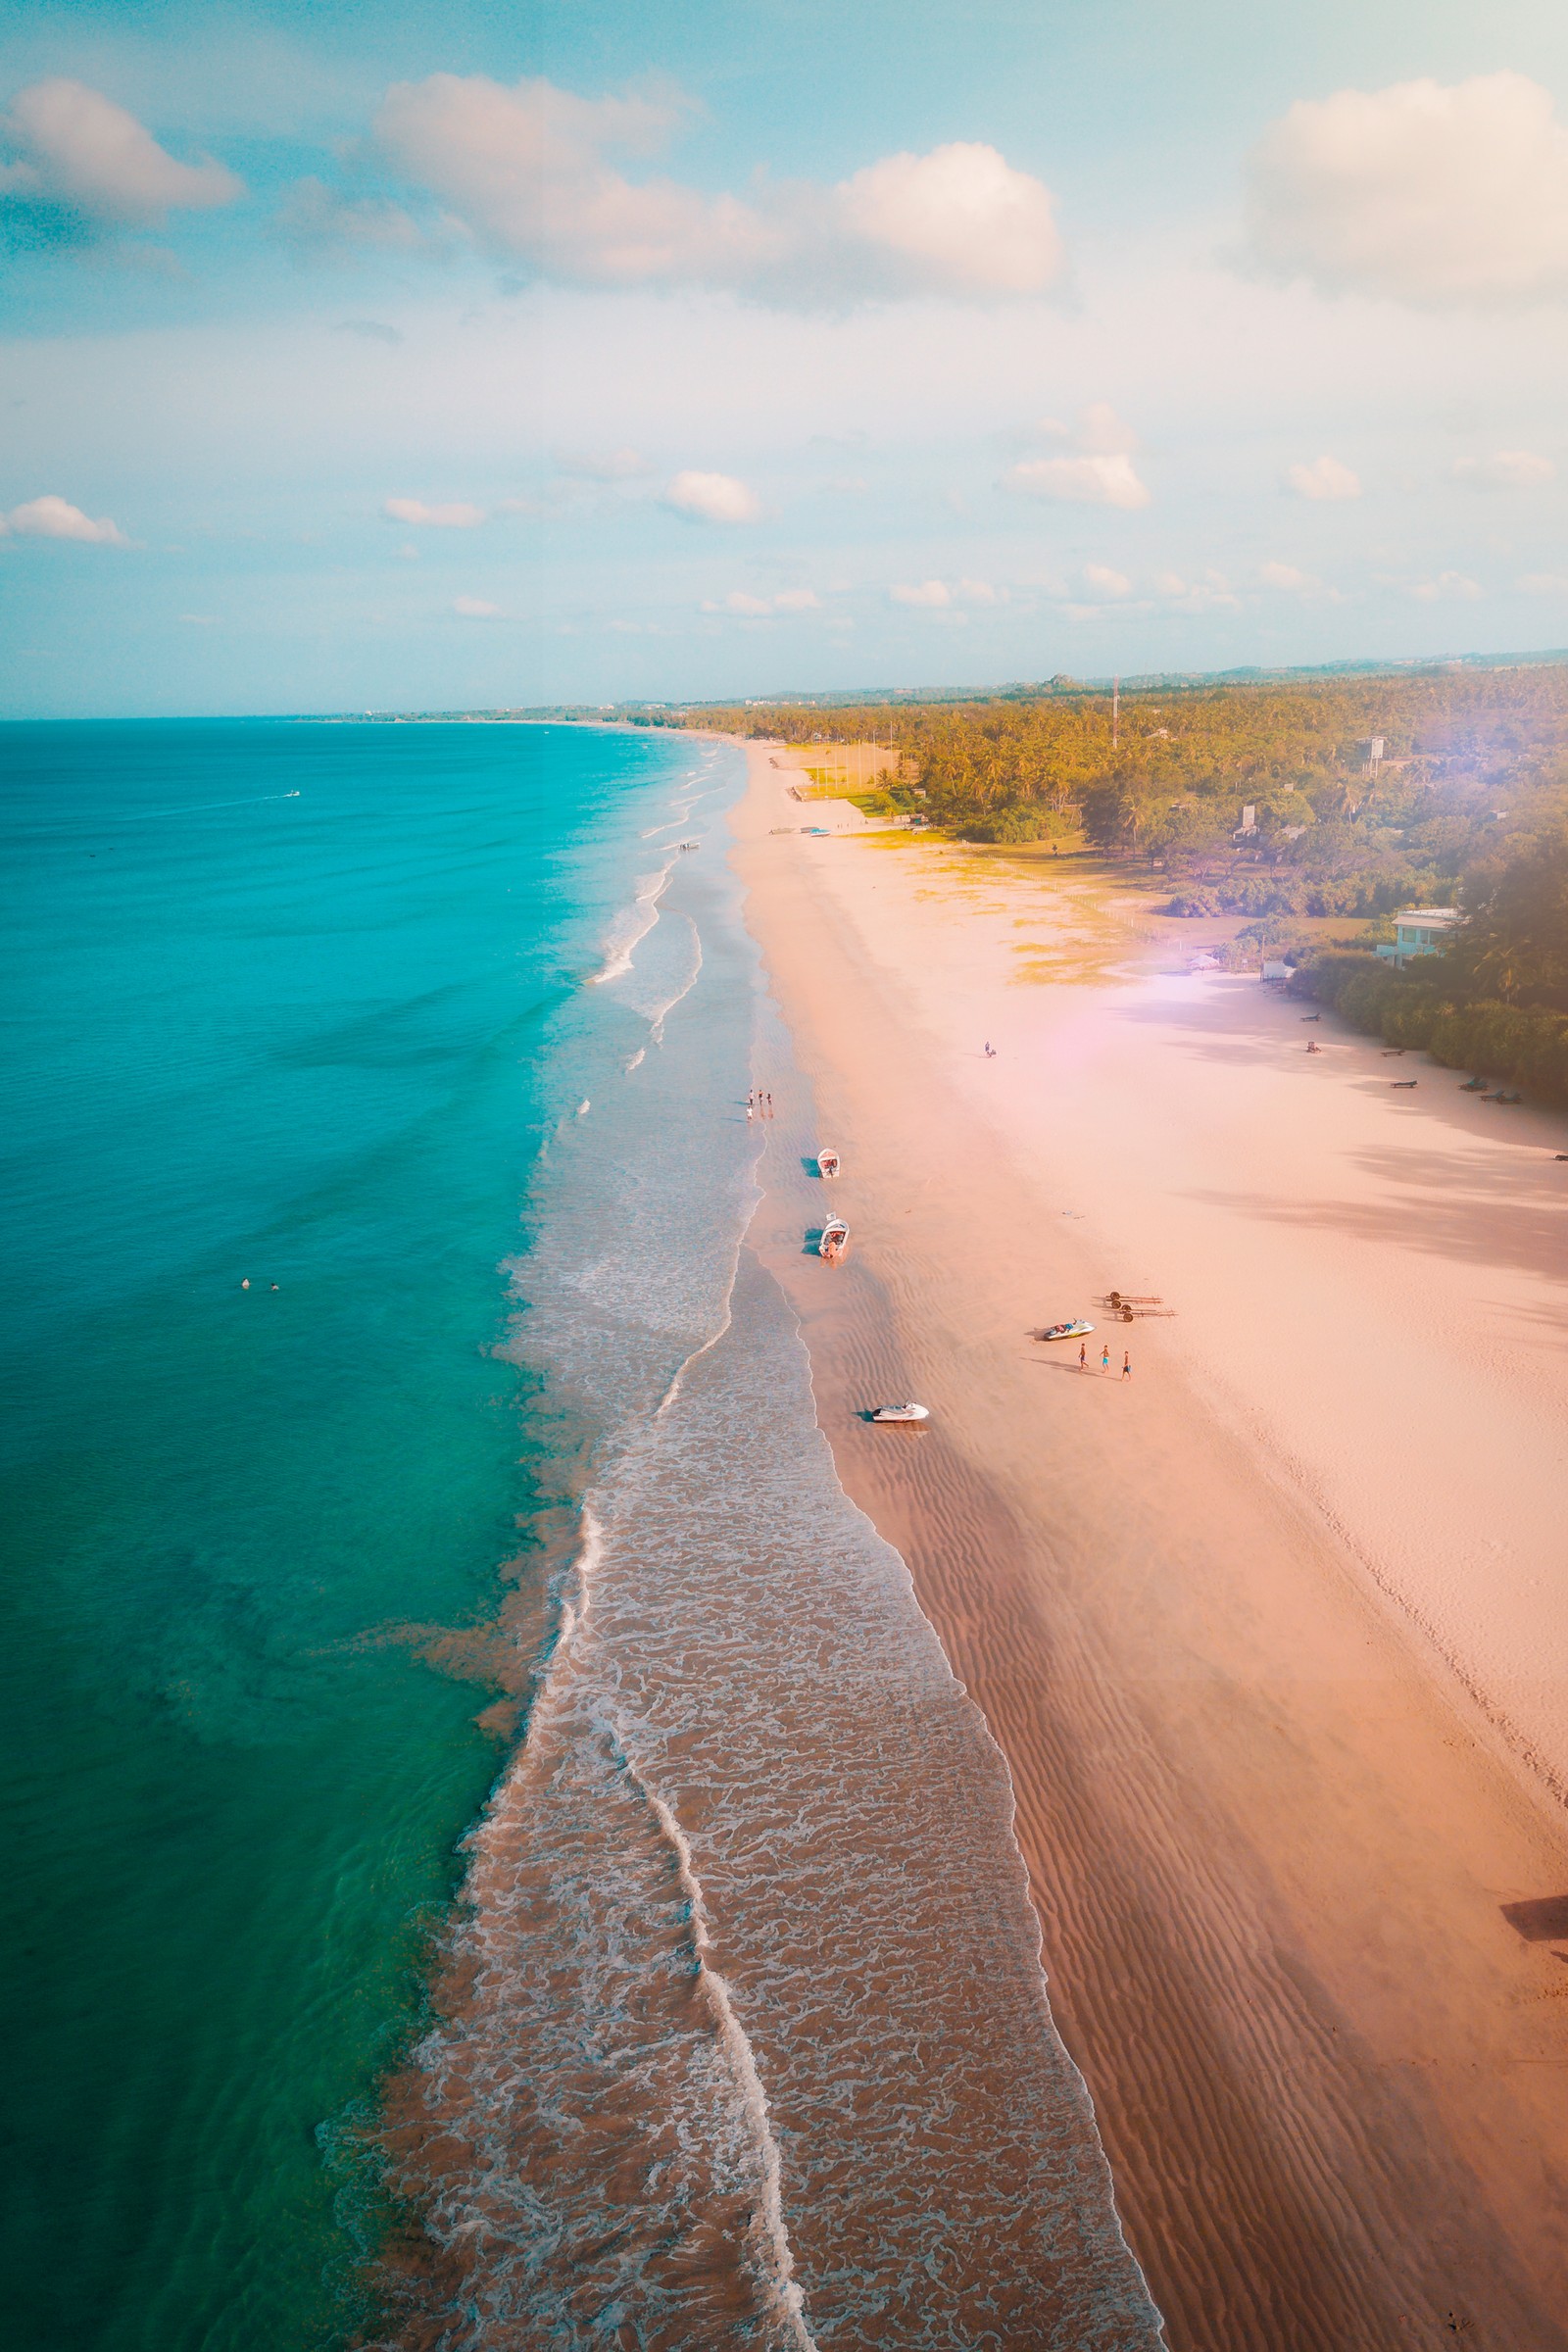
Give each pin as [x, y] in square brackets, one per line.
[1077, 1329]
[902, 1412]
[827, 1162]
[834, 1242]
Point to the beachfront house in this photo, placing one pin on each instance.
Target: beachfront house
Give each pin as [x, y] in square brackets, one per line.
[1419, 931]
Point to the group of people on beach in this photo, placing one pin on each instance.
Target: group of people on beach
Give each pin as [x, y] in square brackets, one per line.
[758, 1105]
[1105, 1359]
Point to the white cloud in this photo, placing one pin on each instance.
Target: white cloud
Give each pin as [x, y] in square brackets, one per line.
[764, 607]
[712, 498]
[1544, 583]
[475, 608]
[1097, 429]
[961, 220]
[526, 172]
[74, 147]
[1325, 477]
[1290, 580]
[52, 517]
[1505, 469]
[941, 594]
[1446, 584]
[1432, 195]
[453, 517]
[935, 595]
[1107, 582]
[1107, 480]
[1211, 594]
[601, 465]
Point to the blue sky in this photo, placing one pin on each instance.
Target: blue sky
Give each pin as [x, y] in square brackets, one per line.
[441, 357]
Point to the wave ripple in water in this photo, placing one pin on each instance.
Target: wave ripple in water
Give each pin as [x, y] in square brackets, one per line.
[745, 2037]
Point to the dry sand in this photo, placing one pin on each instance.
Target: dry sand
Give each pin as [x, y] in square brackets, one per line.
[1272, 1635]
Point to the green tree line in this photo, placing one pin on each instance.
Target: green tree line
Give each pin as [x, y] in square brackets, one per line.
[1467, 807]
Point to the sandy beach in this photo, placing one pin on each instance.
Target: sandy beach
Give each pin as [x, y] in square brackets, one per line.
[1271, 1632]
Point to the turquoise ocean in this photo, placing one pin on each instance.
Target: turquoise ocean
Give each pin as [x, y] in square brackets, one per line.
[692, 1998]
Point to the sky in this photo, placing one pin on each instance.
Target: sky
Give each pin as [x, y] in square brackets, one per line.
[472, 356]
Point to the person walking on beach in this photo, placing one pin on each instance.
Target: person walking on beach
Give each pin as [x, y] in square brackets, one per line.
[750, 1113]
[1104, 1357]
[770, 1106]
[1126, 1365]
[1083, 1355]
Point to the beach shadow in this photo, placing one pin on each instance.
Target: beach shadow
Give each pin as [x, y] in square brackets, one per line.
[1544, 1921]
[1437, 1202]
[1265, 1030]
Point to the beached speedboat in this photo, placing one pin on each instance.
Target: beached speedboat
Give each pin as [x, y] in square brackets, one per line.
[902, 1412]
[1076, 1330]
[834, 1242]
[827, 1162]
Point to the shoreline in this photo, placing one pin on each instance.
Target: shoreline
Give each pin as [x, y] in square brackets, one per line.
[1267, 1850]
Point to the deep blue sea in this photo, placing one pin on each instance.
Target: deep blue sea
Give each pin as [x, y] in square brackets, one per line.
[297, 1005]
[493, 1855]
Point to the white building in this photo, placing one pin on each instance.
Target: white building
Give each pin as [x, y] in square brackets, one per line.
[1420, 931]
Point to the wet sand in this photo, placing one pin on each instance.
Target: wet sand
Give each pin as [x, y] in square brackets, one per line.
[1282, 1699]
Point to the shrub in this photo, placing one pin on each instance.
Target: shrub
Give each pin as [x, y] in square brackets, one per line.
[1007, 824]
[1260, 894]
[1526, 1047]
[1194, 902]
[1271, 938]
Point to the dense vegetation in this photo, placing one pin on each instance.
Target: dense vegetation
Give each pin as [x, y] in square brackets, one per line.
[1468, 806]
[1526, 1045]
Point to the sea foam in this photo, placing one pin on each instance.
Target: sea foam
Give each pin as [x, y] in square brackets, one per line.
[743, 2036]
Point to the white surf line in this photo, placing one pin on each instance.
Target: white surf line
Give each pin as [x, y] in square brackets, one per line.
[573, 1616]
[657, 1032]
[768, 2229]
[650, 890]
[573, 1611]
[577, 1602]
[674, 1387]
[1041, 1979]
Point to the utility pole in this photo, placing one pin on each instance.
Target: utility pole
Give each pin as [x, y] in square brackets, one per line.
[1115, 713]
